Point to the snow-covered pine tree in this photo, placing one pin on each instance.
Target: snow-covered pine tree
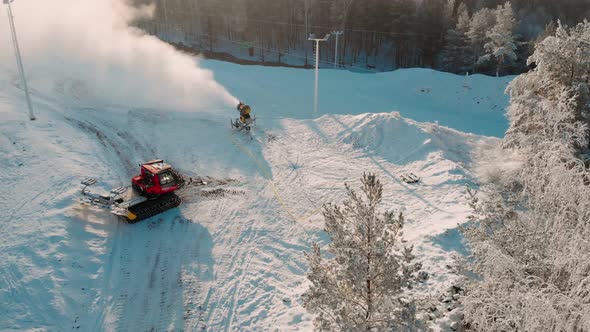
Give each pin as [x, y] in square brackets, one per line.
[481, 22]
[463, 18]
[546, 104]
[501, 46]
[360, 288]
[530, 236]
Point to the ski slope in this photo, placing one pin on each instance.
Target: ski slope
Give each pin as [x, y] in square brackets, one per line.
[231, 256]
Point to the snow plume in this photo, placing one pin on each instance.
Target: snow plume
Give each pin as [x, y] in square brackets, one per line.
[87, 51]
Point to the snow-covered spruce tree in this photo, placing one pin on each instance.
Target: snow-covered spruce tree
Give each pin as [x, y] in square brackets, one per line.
[501, 46]
[360, 288]
[531, 233]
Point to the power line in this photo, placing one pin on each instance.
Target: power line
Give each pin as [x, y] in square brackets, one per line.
[336, 34]
[241, 42]
[247, 19]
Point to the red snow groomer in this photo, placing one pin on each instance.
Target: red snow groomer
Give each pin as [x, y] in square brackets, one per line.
[152, 194]
[156, 178]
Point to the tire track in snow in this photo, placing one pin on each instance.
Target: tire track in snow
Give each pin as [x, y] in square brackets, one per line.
[216, 212]
[127, 298]
[192, 289]
[227, 261]
[231, 265]
[236, 277]
[122, 299]
[236, 271]
[151, 300]
[147, 301]
[120, 257]
[236, 294]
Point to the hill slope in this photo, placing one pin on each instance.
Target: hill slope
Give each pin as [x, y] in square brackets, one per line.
[231, 257]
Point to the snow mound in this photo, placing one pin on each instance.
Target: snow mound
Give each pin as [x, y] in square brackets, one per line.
[404, 141]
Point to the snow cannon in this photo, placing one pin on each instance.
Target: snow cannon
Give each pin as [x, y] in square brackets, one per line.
[245, 121]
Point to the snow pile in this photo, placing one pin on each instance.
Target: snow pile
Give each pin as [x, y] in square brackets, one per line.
[403, 141]
[310, 160]
[86, 51]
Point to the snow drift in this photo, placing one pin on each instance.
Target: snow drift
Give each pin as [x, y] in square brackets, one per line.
[87, 52]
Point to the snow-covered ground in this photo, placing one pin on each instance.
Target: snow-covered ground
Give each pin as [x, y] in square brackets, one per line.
[231, 257]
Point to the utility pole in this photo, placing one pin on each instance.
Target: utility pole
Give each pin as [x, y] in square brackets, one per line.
[19, 60]
[317, 63]
[305, 11]
[337, 34]
[166, 20]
